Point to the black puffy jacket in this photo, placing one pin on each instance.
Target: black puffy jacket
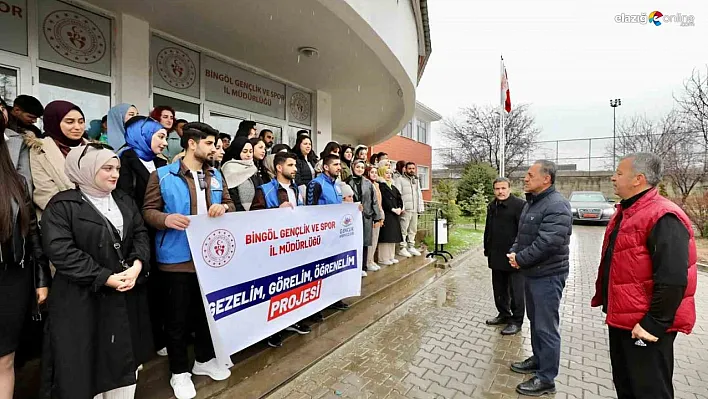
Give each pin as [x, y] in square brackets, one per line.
[545, 227]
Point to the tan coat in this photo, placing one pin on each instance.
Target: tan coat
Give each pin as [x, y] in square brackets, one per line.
[47, 166]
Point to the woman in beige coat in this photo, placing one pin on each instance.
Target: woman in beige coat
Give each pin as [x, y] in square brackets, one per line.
[64, 127]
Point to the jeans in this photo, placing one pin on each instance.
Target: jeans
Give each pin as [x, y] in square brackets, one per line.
[543, 298]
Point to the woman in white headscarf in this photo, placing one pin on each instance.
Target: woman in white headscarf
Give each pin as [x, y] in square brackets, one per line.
[99, 327]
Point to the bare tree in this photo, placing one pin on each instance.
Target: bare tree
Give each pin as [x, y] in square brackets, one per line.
[684, 165]
[693, 102]
[641, 134]
[474, 136]
[669, 137]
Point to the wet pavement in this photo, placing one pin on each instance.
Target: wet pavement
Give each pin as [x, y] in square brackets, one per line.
[437, 345]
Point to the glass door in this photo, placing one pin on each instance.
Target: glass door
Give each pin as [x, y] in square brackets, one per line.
[15, 77]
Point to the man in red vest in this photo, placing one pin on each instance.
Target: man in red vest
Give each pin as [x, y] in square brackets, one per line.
[646, 280]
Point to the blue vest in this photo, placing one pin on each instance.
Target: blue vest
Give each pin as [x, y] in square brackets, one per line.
[270, 192]
[331, 192]
[172, 245]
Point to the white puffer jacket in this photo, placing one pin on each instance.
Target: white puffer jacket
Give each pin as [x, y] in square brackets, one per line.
[409, 186]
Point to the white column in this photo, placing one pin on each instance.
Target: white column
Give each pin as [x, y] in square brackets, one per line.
[323, 120]
[133, 53]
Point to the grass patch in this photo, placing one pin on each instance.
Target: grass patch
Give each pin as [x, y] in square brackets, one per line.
[460, 239]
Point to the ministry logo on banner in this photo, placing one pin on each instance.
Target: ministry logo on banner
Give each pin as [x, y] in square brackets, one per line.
[256, 281]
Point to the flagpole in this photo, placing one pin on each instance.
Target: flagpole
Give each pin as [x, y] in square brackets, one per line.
[502, 144]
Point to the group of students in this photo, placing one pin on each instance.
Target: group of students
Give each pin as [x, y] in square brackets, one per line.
[102, 221]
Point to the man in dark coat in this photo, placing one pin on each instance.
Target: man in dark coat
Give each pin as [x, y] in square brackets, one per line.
[499, 234]
[541, 253]
[24, 114]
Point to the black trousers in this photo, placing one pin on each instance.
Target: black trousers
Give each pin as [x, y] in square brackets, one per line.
[184, 313]
[642, 371]
[364, 257]
[156, 303]
[508, 290]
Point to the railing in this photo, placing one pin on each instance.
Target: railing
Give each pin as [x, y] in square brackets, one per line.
[591, 154]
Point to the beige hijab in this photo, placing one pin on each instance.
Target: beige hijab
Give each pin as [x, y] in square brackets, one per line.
[84, 174]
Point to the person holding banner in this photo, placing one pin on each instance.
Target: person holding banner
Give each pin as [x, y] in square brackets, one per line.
[281, 192]
[99, 325]
[323, 190]
[186, 187]
[365, 194]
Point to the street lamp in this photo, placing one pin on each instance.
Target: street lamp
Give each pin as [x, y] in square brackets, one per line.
[614, 104]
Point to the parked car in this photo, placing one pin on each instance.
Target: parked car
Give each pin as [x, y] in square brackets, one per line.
[591, 206]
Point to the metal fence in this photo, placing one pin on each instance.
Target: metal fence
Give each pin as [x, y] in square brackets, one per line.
[591, 154]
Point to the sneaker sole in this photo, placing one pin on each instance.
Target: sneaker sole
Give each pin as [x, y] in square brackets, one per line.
[523, 371]
[211, 376]
[536, 394]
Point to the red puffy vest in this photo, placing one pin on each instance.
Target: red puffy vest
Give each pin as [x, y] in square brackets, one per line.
[631, 275]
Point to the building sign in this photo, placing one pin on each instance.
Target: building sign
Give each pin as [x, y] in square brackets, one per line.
[174, 68]
[235, 87]
[299, 106]
[13, 26]
[74, 37]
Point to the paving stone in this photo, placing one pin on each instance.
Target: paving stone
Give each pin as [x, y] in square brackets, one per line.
[427, 350]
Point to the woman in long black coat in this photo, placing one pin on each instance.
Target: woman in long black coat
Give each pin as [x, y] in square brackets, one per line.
[392, 203]
[99, 328]
[145, 138]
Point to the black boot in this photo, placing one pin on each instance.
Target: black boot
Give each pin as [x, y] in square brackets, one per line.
[511, 329]
[528, 366]
[497, 321]
[536, 387]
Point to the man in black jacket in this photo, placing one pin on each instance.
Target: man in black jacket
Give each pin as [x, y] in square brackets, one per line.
[499, 234]
[541, 253]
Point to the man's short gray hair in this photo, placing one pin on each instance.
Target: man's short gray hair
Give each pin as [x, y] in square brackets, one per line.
[647, 164]
[501, 180]
[548, 168]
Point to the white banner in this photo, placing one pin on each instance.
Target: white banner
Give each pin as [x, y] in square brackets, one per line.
[263, 271]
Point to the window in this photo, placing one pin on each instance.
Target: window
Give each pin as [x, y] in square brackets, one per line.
[422, 132]
[92, 96]
[8, 84]
[183, 109]
[424, 177]
[407, 130]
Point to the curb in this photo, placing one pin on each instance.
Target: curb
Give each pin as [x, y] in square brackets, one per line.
[702, 266]
[461, 257]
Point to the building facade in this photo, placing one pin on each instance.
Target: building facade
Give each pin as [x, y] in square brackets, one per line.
[414, 143]
[337, 68]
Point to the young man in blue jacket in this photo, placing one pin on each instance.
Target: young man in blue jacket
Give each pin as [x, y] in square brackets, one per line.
[187, 187]
[281, 192]
[324, 190]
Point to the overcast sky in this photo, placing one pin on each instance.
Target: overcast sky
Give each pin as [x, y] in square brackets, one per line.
[565, 57]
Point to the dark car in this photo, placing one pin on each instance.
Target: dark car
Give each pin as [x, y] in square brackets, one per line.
[591, 206]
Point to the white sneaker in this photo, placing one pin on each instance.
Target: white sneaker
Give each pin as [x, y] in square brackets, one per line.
[183, 386]
[374, 268]
[374, 264]
[385, 263]
[364, 273]
[211, 369]
[404, 253]
[414, 252]
[394, 260]
[162, 352]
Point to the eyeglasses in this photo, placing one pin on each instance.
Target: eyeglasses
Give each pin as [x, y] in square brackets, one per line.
[98, 146]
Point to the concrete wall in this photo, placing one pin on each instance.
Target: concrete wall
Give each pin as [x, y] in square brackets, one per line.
[569, 181]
